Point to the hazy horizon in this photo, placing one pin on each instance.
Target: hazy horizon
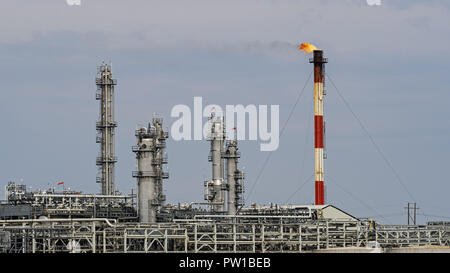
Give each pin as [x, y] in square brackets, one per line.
[390, 62]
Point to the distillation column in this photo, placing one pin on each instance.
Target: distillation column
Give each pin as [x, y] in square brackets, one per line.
[319, 66]
[216, 188]
[105, 129]
[150, 156]
[234, 178]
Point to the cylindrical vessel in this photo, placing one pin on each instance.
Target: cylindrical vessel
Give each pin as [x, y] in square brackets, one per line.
[146, 182]
[217, 163]
[150, 155]
[231, 179]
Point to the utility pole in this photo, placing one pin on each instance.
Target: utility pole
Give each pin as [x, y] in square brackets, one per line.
[413, 216]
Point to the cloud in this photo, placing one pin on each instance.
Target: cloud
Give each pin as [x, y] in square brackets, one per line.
[251, 25]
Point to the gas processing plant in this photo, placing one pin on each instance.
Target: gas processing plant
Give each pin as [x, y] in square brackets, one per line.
[109, 222]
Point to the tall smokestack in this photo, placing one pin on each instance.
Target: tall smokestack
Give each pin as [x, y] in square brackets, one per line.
[319, 72]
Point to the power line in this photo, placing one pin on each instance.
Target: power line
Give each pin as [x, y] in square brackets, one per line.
[437, 216]
[373, 142]
[307, 136]
[304, 159]
[299, 188]
[392, 214]
[357, 199]
[281, 133]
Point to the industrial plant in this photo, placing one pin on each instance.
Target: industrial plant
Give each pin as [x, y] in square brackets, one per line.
[50, 221]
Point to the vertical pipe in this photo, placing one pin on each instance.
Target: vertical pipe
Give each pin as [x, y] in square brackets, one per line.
[319, 62]
[222, 163]
[145, 181]
[231, 180]
[217, 141]
[234, 177]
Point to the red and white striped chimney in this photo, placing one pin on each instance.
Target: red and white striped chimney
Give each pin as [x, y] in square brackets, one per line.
[319, 69]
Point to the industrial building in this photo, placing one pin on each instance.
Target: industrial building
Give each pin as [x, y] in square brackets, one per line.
[110, 222]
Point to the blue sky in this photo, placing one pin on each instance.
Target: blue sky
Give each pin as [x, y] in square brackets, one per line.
[390, 62]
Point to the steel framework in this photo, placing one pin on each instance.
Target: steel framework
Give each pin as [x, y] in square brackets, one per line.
[193, 236]
[105, 129]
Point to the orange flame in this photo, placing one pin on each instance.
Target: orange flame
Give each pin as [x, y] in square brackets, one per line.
[308, 48]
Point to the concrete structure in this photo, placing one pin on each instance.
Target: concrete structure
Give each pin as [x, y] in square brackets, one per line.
[105, 129]
[150, 155]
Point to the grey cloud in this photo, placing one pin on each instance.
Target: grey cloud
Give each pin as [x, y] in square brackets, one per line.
[238, 25]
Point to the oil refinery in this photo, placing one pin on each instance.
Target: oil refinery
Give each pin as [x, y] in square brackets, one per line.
[50, 221]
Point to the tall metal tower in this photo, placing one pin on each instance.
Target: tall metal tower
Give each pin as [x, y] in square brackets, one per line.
[235, 177]
[150, 156]
[319, 72]
[216, 188]
[105, 129]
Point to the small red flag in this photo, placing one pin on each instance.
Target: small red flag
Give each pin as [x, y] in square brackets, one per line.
[60, 183]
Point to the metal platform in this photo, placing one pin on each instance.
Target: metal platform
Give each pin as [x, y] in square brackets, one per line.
[107, 236]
